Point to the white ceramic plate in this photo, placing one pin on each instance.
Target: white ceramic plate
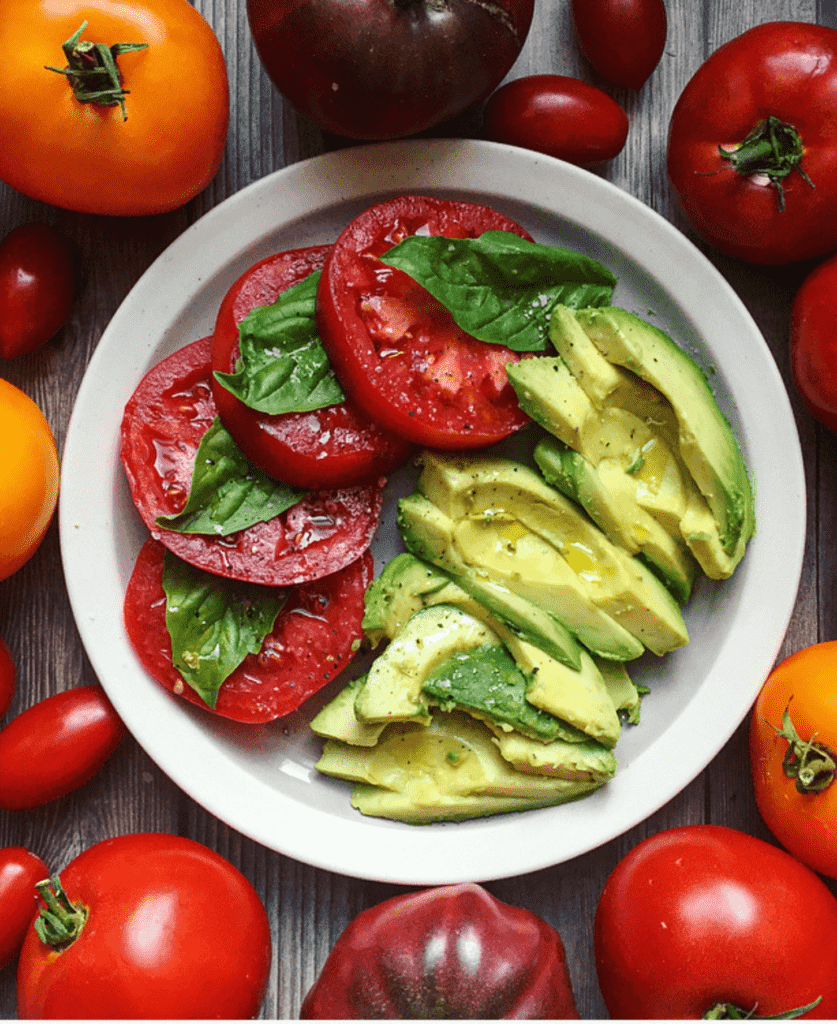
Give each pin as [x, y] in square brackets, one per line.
[262, 781]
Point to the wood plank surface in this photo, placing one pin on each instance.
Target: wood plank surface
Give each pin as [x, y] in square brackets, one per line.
[309, 907]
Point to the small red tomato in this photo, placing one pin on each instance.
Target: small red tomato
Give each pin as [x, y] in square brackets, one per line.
[20, 870]
[560, 116]
[622, 39]
[55, 746]
[36, 288]
[7, 677]
[813, 342]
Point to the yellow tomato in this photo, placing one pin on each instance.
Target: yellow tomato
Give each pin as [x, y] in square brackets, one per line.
[29, 477]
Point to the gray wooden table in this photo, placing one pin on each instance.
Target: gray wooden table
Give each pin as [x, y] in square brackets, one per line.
[309, 907]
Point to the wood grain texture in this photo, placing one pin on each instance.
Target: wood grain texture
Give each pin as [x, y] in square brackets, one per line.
[308, 907]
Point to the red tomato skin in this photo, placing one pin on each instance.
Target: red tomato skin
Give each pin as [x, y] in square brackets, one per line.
[704, 914]
[404, 959]
[174, 931]
[323, 449]
[8, 677]
[560, 116]
[311, 642]
[391, 379]
[55, 746]
[623, 39]
[37, 282]
[19, 871]
[813, 342]
[784, 69]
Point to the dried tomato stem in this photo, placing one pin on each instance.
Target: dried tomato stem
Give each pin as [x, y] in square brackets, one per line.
[774, 149]
[59, 922]
[92, 70]
[812, 765]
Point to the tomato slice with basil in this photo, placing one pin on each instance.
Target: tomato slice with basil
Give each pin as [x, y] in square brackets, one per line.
[312, 640]
[336, 446]
[396, 350]
[164, 421]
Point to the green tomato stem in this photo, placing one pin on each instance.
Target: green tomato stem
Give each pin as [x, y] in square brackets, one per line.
[59, 922]
[729, 1011]
[92, 70]
[812, 765]
[774, 149]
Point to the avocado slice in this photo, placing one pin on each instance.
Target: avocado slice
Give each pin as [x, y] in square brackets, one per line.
[337, 720]
[624, 694]
[588, 762]
[404, 587]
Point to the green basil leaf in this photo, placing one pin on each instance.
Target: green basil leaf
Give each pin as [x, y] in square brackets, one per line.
[501, 288]
[214, 623]
[282, 365]
[228, 493]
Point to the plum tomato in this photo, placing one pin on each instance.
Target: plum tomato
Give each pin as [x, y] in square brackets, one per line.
[793, 755]
[395, 349]
[29, 478]
[623, 39]
[813, 342]
[20, 871]
[703, 920]
[560, 116]
[313, 639]
[336, 446]
[55, 746]
[37, 282]
[8, 677]
[146, 926]
[164, 420]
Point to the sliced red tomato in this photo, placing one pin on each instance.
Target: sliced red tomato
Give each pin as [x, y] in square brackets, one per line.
[312, 640]
[337, 446]
[164, 421]
[396, 349]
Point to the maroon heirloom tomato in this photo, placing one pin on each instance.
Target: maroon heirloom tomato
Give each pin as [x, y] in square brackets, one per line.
[752, 147]
[37, 282]
[813, 342]
[622, 39]
[146, 926]
[8, 677]
[704, 918]
[20, 870]
[560, 116]
[395, 349]
[336, 446]
[450, 952]
[374, 69]
[164, 421]
[312, 640]
[55, 746]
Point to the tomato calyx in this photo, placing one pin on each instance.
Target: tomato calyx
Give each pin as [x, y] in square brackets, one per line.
[812, 765]
[773, 148]
[729, 1011]
[59, 922]
[92, 70]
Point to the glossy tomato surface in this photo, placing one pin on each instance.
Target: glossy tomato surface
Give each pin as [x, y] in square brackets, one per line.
[156, 155]
[19, 871]
[732, 188]
[172, 931]
[37, 282]
[396, 350]
[813, 342]
[373, 69]
[702, 915]
[55, 746]
[622, 39]
[794, 761]
[8, 677]
[336, 446]
[560, 116]
[312, 640]
[164, 421]
[453, 952]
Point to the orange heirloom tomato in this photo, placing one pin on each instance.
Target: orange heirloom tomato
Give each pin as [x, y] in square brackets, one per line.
[151, 143]
[28, 477]
[793, 755]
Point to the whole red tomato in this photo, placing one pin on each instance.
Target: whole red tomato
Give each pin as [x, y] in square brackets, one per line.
[752, 147]
[8, 677]
[450, 952]
[55, 746]
[36, 287]
[374, 69]
[704, 918]
[560, 116]
[147, 926]
[813, 342]
[793, 755]
[622, 39]
[20, 870]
